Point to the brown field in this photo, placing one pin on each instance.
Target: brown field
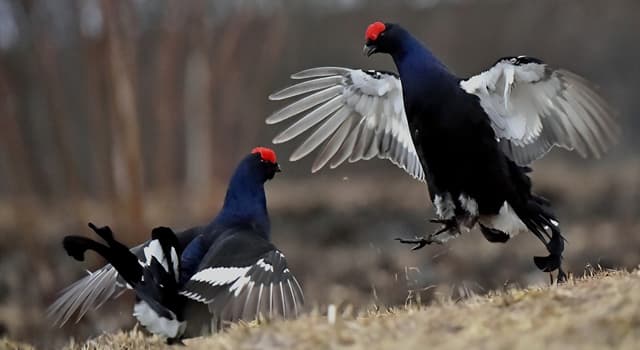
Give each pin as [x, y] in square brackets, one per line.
[340, 245]
[133, 114]
[600, 310]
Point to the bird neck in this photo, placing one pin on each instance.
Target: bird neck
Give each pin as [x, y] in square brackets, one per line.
[421, 72]
[245, 204]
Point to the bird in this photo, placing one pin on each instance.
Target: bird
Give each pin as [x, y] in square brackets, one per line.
[224, 271]
[154, 277]
[472, 140]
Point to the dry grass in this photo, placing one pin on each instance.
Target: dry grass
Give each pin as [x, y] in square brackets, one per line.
[6, 344]
[601, 311]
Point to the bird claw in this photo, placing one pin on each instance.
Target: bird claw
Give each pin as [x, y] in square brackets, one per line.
[420, 242]
[562, 277]
[175, 341]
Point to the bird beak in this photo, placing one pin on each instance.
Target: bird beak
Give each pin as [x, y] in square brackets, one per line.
[278, 169]
[369, 49]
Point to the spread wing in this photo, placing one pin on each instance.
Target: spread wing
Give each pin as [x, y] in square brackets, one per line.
[85, 294]
[533, 107]
[244, 277]
[93, 290]
[361, 116]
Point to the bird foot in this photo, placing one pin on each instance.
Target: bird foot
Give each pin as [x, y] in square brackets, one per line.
[562, 277]
[449, 226]
[175, 341]
[420, 242]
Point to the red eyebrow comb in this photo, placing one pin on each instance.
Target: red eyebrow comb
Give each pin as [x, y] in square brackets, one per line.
[373, 30]
[266, 154]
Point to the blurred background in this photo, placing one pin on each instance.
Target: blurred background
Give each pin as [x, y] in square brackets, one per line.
[135, 113]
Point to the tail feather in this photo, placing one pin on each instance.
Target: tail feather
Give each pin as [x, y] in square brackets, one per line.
[548, 263]
[154, 281]
[116, 253]
[76, 246]
[160, 308]
[161, 280]
[535, 212]
[540, 220]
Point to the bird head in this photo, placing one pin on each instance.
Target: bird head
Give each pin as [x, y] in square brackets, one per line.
[381, 37]
[265, 160]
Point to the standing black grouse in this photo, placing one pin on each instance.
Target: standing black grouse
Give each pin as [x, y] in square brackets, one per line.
[223, 271]
[470, 139]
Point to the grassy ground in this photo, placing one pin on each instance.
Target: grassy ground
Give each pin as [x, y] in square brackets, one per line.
[598, 311]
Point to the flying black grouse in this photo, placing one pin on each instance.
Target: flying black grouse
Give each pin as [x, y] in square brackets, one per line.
[470, 139]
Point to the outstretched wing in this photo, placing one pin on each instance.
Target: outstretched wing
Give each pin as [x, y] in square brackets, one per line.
[93, 290]
[244, 277]
[87, 293]
[361, 116]
[533, 107]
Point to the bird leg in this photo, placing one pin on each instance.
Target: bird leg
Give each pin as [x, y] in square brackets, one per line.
[562, 276]
[553, 261]
[450, 226]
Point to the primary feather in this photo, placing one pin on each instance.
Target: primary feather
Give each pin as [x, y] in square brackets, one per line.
[362, 117]
[533, 107]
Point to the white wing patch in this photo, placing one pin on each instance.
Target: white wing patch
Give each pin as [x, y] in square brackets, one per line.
[361, 116]
[533, 108]
[239, 284]
[218, 276]
[193, 296]
[265, 265]
[266, 288]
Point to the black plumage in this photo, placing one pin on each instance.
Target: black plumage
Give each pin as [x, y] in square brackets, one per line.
[220, 271]
[471, 140]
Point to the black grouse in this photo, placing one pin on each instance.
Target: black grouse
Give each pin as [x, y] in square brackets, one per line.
[226, 270]
[471, 140]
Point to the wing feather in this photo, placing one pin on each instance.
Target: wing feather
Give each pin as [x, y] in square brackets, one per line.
[333, 145]
[244, 286]
[365, 114]
[306, 87]
[347, 147]
[310, 120]
[304, 104]
[87, 293]
[533, 108]
[321, 134]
